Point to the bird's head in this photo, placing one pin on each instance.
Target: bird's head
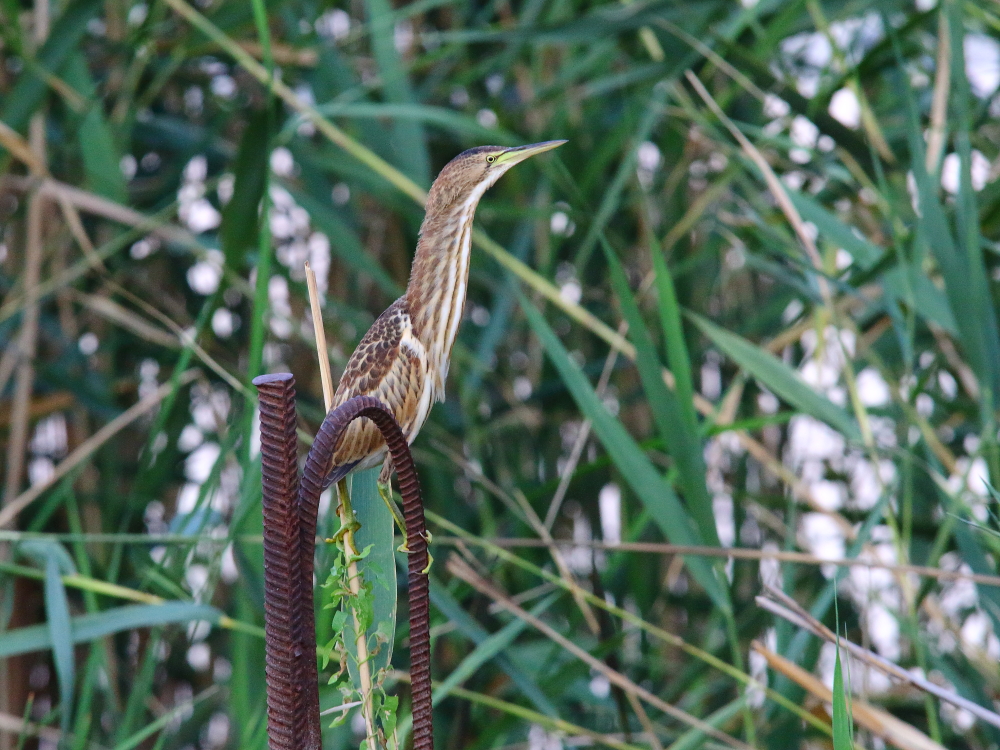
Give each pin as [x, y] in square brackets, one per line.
[473, 172]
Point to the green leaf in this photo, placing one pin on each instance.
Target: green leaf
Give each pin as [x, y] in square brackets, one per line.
[101, 151]
[40, 551]
[487, 649]
[962, 267]
[673, 332]
[933, 303]
[240, 224]
[779, 378]
[976, 286]
[67, 31]
[679, 432]
[635, 467]
[378, 567]
[408, 142]
[142, 687]
[60, 633]
[86, 628]
[695, 738]
[865, 253]
[612, 195]
[843, 738]
[450, 608]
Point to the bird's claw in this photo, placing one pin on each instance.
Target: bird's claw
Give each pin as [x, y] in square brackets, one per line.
[338, 537]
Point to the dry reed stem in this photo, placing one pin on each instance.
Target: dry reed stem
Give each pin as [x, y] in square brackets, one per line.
[656, 632]
[347, 520]
[18, 727]
[10, 511]
[110, 310]
[569, 730]
[881, 723]
[462, 570]
[939, 103]
[788, 609]
[739, 553]
[27, 339]
[320, 333]
[346, 515]
[644, 720]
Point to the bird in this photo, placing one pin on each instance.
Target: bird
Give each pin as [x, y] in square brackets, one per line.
[403, 359]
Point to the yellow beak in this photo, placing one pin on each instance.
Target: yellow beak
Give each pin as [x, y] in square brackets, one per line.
[518, 154]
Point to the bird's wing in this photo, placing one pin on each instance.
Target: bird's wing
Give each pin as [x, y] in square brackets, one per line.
[389, 364]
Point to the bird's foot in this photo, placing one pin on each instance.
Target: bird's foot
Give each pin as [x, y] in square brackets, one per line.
[338, 537]
[385, 492]
[429, 538]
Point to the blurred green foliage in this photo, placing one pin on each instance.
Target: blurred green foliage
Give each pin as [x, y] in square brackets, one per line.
[789, 210]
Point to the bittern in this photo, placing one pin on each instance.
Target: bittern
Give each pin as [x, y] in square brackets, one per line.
[403, 358]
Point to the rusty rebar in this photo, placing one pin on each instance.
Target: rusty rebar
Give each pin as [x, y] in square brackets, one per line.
[290, 666]
[317, 464]
[289, 552]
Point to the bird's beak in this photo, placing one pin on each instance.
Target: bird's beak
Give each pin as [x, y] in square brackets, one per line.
[516, 155]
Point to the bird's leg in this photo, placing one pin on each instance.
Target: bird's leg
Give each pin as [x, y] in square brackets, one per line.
[385, 490]
[384, 485]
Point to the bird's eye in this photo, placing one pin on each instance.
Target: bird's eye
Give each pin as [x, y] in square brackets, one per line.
[490, 159]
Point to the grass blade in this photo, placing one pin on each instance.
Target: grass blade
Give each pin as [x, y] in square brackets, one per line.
[843, 737]
[100, 150]
[60, 633]
[450, 608]
[487, 649]
[779, 378]
[68, 30]
[240, 223]
[86, 628]
[678, 430]
[963, 272]
[408, 142]
[636, 469]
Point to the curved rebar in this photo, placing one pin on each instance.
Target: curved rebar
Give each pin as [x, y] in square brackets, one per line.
[289, 551]
[290, 669]
[317, 464]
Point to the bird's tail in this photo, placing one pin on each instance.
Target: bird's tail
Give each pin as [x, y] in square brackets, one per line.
[337, 473]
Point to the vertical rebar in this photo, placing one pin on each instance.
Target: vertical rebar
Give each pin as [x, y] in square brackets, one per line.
[290, 669]
[290, 515]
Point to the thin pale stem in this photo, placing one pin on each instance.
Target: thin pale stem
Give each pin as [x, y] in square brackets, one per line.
[354, 581]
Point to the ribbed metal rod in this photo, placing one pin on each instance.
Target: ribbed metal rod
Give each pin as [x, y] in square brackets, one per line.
[290, 669]
[317, 464]
[290, 517]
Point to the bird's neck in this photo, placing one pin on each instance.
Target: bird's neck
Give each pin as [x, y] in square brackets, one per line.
[439, 277]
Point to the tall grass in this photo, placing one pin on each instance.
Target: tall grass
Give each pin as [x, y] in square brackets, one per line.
[751, 304]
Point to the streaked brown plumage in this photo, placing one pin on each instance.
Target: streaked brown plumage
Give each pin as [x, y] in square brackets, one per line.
[403, 359]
